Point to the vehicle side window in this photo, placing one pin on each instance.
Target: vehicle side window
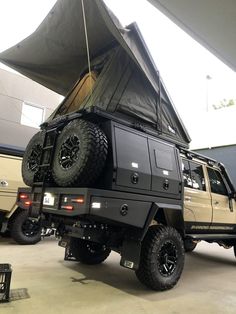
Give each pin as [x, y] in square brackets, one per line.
[197, 176]
[186, 174]
[193, 175]
[216, 182]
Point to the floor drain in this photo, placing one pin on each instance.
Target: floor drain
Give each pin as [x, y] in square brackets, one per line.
[19, 294]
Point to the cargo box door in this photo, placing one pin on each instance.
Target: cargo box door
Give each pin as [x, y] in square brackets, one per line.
[165, 173]
[132, 159]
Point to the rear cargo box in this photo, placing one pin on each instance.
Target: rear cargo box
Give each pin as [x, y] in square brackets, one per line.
[140, 163]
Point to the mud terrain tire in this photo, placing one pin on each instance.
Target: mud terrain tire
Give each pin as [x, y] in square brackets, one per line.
[80, 154]
[24, 230]
[31, 158]
[162, 258]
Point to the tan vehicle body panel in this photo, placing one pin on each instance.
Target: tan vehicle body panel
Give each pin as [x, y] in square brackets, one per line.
[10, 180]
[221, 209]
[207, 207]
[197, 206]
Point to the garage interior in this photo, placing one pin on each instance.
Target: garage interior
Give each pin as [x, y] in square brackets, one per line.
[42, 281]
[47, 283]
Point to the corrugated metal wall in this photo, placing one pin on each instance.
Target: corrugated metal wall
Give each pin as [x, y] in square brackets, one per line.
[14, 90]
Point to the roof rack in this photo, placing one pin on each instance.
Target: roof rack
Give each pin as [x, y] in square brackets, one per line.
[211, 162]
[190, 155]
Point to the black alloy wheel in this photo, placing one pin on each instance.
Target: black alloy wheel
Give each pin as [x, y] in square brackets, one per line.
[30, 228]
[167, 259]
[69, 152]
[34, 158]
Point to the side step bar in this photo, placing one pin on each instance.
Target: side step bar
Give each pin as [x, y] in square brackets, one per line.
[211, 236]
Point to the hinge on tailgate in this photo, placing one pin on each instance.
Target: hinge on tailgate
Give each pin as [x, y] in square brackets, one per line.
[139, 126]
[180, 187]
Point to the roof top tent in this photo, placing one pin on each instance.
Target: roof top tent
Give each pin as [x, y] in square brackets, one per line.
[79, 37]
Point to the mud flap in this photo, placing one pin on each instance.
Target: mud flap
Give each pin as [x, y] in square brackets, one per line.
[65, 243]
[130, 254]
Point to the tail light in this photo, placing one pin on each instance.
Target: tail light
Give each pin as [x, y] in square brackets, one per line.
[24, 198]
[71, 202]
[79, 200]
[28, 203]
[68, 208]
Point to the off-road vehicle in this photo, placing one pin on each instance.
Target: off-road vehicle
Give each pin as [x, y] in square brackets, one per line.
[14, 219]
[114, 171]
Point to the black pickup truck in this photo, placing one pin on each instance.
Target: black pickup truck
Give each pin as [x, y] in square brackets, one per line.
[113, 187]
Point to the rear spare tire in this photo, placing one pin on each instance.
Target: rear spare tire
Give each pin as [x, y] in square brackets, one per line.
[31, 159]
[80, 154]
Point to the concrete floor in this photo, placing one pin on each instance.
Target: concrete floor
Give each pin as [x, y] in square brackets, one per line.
[208, 283]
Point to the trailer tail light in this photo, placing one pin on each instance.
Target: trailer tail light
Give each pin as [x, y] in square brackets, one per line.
[24, 199]
[23, 196]
[28, 203]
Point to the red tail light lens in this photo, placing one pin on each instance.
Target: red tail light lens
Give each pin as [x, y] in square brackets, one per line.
[28, 203]
[68, 208]
[79, 200]
[23, 196]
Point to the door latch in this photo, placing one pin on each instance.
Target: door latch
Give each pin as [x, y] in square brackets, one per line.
[166, 184]
[3, 183]
[187, 198]
[135, 178]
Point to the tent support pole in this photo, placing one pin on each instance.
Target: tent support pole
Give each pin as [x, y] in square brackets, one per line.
[87, 47]
[159, 103]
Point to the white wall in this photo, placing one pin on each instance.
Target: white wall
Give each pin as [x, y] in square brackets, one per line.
[14, 90]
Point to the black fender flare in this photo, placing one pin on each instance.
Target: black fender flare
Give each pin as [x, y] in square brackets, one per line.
[131, 249]
[173, 215]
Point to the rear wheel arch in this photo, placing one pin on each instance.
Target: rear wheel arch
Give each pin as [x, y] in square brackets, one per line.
[160, 217]
[170, 217]
[164, 216]
[174, 218]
